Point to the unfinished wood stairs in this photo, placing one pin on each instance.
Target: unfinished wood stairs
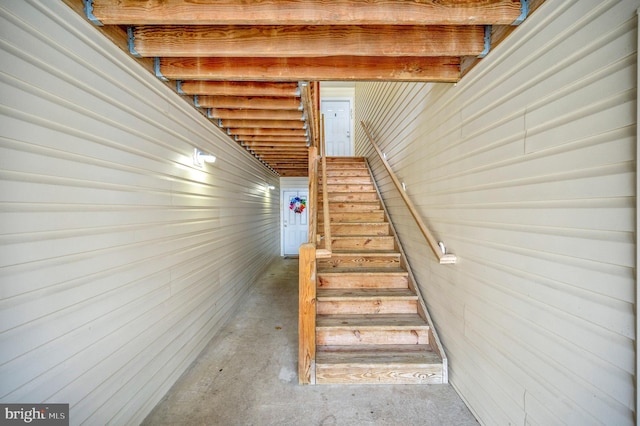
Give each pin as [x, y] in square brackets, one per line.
[371, 325]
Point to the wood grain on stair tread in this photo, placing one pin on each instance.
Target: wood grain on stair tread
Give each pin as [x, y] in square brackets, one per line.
[378, 322]
[371, 329]
[337, 197]
[360, 229]
[354, 206]
[371, 336]
[353, 216]
[337, 180]
[376, 354]
[363, 242]
[361, 260]
[369, 273]
[366, 301]
[368, 375]
[355, 279]
[365, 293]
[347, 172]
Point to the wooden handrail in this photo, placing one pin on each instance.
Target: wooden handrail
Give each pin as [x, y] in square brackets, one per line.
[313, 194]
[325, 195]
[443, 258]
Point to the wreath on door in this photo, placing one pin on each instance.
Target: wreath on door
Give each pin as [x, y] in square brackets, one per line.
[297, 204]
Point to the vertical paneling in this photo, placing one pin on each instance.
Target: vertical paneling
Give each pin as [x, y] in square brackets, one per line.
[119, 259]
[526, 170]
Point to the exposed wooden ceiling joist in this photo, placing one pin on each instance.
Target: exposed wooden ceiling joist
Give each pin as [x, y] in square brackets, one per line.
[250, 102]
[308, 41]
[273, 124]
[306, 12]
[271, 139]
[239, 88]
[263, 131]
[249, 65]
[345, 68]
[255, 114]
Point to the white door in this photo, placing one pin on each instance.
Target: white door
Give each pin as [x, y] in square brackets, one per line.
[295, 222]
[337, 127]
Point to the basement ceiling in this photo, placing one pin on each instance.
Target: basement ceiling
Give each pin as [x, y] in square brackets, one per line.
[253, 66]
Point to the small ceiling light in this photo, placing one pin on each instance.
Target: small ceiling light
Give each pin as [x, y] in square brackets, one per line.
[199, 158]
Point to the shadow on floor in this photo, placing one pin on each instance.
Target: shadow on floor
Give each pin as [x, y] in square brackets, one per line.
[247, 376]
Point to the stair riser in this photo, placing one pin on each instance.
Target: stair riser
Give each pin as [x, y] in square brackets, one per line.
[339, 197]
[367, 261]
[377, 216]
[362, 281]
[348, 188]
[377, 229]
[363, 243]
[346, 207]
[346, 165]
[350, 336]
[350, 180]
[347, 172]
[392, 374]
[348, 307]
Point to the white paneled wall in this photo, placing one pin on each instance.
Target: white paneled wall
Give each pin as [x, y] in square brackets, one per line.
[119, 259]
[526, 170]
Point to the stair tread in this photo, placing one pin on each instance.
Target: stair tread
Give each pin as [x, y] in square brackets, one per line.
[377, 354]
[364, 271]
[390, 253]
[328, 294]
[372, 321]
[353, 223]
[368, 191]
[344, 236]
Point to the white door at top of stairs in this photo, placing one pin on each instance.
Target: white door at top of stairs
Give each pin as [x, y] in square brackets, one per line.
[337, 125]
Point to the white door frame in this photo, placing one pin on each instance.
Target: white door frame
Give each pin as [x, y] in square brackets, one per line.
[351, 101]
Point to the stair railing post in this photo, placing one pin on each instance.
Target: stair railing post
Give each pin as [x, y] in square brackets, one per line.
[313, 194]
[433, 243]
[307, 314]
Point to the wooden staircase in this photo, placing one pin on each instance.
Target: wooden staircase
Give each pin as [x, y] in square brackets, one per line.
[371, 325]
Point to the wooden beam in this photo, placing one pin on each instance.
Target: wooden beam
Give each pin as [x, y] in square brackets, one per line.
[254, 114]
[270, 139]
[345, 68]
[239, 88]
[266, 132]
[290, 165]
[282, 124]
[306, 12]
[308, 41]
[289, 158]
[275, 145]
[250, 102]
[275, 150]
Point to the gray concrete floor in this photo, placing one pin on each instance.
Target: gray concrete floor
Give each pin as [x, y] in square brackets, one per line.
[247, 376]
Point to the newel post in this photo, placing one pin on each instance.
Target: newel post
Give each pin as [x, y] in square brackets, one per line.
[307, 314]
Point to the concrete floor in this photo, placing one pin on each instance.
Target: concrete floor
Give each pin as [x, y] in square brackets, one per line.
[247, 376]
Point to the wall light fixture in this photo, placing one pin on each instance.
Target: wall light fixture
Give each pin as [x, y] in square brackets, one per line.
[199, 158]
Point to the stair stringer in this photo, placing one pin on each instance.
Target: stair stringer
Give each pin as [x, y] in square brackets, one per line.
[422, 307]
